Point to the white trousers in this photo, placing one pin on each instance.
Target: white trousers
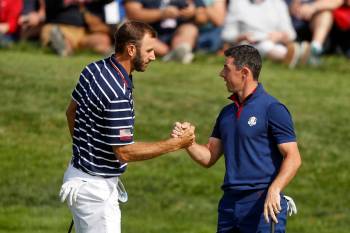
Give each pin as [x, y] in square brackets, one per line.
[266, 46]
[96, 209]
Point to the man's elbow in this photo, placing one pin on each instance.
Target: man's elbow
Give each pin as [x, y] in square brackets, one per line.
[207, 164]
[296, 162]
[299, 163]
[123, 159]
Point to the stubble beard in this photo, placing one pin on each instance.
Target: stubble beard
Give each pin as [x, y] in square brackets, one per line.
[138, 63]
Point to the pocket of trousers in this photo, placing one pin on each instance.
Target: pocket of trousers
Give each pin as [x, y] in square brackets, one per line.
[94, 192]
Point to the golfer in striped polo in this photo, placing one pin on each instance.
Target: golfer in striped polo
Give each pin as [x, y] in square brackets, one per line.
[101, 121]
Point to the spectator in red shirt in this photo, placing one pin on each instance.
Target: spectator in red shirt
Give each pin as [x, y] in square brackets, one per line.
[340, 35]
[9, 13]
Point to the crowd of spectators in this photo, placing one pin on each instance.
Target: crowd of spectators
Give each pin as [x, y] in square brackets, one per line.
[294, 32]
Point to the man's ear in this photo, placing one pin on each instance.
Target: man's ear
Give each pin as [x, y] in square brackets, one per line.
[245, 72]
[131, 49]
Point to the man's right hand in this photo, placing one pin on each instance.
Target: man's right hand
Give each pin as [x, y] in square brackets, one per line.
[206, 155]
[185, 131]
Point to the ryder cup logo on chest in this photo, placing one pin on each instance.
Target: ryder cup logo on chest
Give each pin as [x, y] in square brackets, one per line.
[252, 121]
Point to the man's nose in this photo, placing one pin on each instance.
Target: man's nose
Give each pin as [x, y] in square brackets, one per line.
[152, 56]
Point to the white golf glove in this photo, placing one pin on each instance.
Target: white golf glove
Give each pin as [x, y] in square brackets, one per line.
[122, 194]
[291, 207]
[69, 191]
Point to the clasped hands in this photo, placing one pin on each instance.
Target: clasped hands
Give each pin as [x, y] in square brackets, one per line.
[184, 131]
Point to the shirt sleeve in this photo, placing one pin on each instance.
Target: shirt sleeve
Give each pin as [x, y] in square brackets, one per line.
[79, 89]
[118, 123]
[216, 133]
[280, 123]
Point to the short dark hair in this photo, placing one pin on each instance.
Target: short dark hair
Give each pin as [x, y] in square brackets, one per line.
[131, 32]
[246, 55]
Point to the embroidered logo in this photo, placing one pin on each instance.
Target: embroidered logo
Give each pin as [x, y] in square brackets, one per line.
[252, 121]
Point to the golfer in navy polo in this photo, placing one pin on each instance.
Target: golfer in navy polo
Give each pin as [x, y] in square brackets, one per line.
[255, 133]
[101, 122]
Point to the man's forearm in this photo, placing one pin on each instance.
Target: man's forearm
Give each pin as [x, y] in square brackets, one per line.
[289, 168]
[201, 154]
[206, 155]
[147, 150]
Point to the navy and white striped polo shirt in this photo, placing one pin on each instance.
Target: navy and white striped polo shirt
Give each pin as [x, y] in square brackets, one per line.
[104, 117]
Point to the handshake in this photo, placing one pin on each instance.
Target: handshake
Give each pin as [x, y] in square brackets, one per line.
[185, 132]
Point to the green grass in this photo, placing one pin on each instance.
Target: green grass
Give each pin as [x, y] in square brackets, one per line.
[170, 193]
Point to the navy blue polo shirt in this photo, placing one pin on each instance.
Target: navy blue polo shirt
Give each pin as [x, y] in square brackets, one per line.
[250, 133]
[104, 117]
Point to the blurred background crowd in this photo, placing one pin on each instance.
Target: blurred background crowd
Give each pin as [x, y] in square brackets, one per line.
[294, 32]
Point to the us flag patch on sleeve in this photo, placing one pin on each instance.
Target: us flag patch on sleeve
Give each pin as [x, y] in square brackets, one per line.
[125, 135]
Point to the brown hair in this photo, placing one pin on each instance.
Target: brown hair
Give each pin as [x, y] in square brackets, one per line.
[246, 55]
[131, 32]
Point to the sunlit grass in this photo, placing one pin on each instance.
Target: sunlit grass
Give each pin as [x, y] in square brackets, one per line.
[171, 193]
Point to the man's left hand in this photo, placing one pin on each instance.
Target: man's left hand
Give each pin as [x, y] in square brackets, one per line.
[272, 205]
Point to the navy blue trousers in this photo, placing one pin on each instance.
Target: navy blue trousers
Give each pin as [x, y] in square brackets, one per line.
[244, 213]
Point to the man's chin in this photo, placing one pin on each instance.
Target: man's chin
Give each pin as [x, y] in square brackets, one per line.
[141, 69]
[144, 67]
